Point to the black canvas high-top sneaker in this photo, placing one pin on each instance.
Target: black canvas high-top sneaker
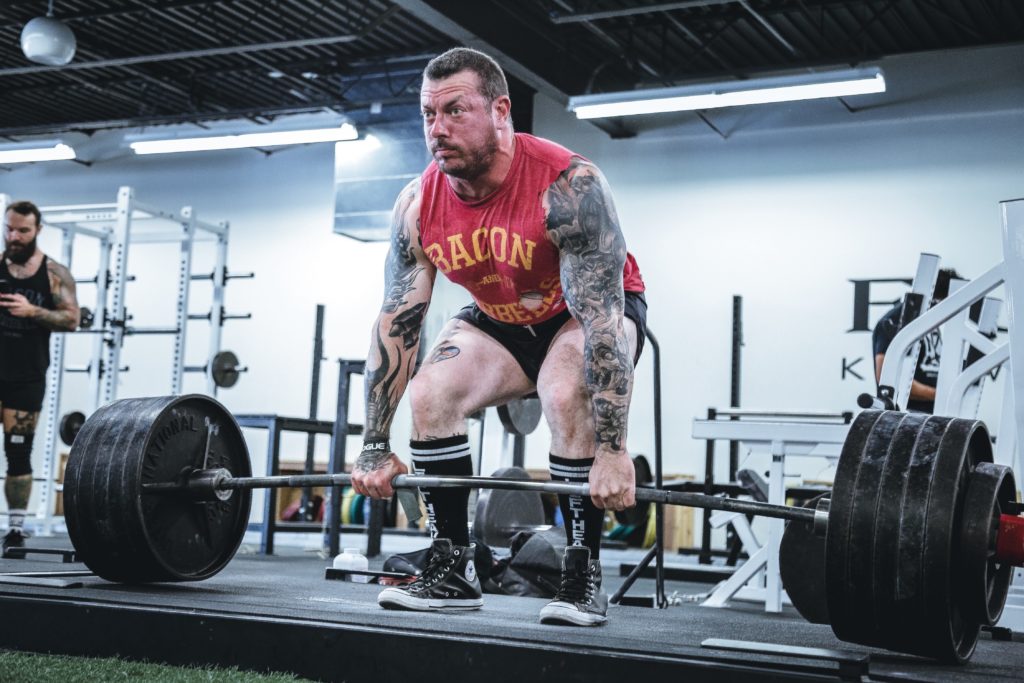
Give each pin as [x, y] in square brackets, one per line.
[580, 600]
[15, 538]
[448, 581]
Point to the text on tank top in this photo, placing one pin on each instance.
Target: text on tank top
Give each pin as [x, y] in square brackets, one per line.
[498, 247]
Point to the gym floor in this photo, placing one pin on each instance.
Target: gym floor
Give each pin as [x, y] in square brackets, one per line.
[280, 613]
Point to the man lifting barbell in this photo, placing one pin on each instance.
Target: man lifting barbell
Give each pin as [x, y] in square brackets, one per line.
[37, 296]
[530, 230]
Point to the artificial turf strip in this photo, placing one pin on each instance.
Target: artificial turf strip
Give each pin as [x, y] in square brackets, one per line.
[25, 667]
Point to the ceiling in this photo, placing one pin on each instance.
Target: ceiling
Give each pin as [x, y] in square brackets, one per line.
[152, 62]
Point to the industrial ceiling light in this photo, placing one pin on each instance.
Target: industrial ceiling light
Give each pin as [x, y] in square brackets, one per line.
[36, 151]
[46, 40]
[353, 151]
[287, 137]
[808, 86]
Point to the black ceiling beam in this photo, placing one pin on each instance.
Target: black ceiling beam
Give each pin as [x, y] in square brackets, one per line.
[538, 48]
[38, 9]
[469, 24]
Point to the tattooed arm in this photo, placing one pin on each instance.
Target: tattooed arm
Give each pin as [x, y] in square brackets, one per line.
[395, 337]
[582, 223]
[65, 314]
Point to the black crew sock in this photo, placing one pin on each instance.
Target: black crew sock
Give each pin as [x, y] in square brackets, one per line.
[583, 520]
[447, 508]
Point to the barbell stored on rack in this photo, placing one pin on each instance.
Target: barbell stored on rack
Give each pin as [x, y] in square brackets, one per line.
[159, 489]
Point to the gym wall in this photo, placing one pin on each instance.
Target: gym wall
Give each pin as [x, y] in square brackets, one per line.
[797, 201]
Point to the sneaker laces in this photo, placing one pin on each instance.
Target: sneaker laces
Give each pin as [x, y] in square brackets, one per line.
[577, 587]
[437, 567]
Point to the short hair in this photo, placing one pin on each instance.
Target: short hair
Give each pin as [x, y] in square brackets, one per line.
[26, 208]
[492, 79]
[941, 290]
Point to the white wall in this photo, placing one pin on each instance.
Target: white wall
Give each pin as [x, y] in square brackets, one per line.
[796, 201]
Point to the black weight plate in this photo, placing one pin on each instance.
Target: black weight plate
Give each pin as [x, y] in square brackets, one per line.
[918, 430]
[909, 597]
[886, 436]
[932, 624]
[965, 445]
[85, 317]
[986, 582]
[802, 568]
[225, 369]
[124, 534]
[70, 423]
[840, 509]
[500, 514]
[520, 416]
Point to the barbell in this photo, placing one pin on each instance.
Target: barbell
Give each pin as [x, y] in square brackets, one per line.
[918, 547]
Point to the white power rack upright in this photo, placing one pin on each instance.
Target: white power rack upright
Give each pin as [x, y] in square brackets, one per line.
[116, 226]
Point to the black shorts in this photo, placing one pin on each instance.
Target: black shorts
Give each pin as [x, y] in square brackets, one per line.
[529, 344]
[27, 396]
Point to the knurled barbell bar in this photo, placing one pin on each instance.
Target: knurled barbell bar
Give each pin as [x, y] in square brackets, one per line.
[917, 545]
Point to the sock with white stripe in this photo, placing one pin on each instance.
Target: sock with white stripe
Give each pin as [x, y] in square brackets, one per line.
[583, 520]
[16, 519]
[447, 508]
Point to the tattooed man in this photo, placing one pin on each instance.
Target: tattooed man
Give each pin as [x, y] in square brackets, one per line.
[37, 295]
[529, 229]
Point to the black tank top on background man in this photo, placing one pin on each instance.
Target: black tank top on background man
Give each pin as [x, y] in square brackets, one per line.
[927, 370]
[24, 344]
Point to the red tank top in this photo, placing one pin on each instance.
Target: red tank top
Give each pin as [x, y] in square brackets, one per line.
[498, 247]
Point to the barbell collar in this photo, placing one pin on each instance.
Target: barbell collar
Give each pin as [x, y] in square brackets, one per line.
[1010, 540]
[821, 516]
[643, 494]
[206, 484]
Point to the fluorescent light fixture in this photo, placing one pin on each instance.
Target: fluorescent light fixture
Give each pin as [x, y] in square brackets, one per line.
[733, 93]
[20, 155]
[351, 151]
[287, 137]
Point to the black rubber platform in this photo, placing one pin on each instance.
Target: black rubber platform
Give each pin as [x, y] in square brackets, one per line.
[279, 613]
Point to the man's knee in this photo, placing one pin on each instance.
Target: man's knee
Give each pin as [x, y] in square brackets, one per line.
[430, 400]
[18, 448]
[567, 409]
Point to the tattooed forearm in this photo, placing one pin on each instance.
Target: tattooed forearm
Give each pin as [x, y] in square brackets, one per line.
[408, 324]
[582, 223]
[395, 339]
[59, 321]
[385, 383]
